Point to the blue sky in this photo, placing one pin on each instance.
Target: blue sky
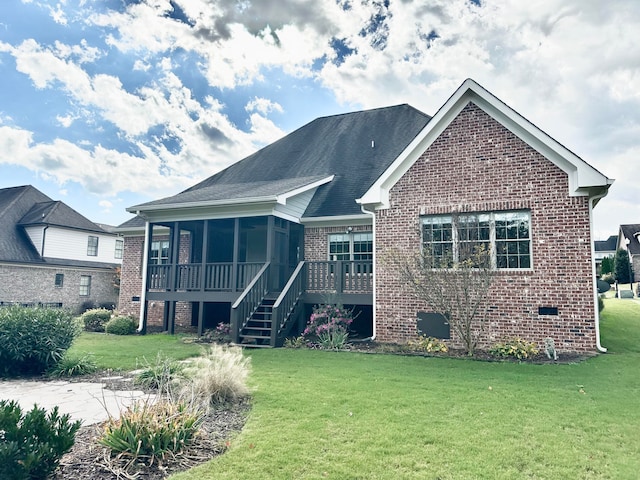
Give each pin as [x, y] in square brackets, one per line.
[108, 103]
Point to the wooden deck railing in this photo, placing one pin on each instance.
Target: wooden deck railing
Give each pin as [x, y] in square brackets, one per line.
[218, 277]
[284, 308]
[340, 276]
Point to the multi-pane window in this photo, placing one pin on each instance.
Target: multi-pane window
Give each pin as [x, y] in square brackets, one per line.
[119, 248]
[351, 246]
[59, 280]
[506, 236]
[92, 246]
[85, 285]
[159, 254]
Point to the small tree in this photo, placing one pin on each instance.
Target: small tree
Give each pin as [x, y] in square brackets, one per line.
[622, 267]
[607, 265]
[459, 290]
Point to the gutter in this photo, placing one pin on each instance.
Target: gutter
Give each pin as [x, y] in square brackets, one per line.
[143, 293]
[44, 236]
[592, 201]
[373, 232]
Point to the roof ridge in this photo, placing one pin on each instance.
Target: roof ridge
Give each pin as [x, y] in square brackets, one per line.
[23, 191]
[367, 110]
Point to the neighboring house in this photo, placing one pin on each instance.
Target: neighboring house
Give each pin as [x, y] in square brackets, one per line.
[51, 255]
[259, 243]
[629, 239]
[603, 249]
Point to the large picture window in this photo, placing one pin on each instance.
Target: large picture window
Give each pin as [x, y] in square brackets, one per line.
[159, 253]
[449, 239]
[351, 246]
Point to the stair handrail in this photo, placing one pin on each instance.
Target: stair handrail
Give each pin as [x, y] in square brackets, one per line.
[286, 302]
[248, 303]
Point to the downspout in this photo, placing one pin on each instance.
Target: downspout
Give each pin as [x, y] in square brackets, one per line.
[44, 236]
[592, 201]
[373, 232]
[145, 262]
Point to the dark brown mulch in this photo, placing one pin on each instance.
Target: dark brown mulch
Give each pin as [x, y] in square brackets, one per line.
[90, 460]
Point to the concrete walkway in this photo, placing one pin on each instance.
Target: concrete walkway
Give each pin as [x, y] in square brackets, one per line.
[89, 402]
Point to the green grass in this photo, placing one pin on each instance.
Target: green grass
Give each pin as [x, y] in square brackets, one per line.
[128, 352]
[343, 415]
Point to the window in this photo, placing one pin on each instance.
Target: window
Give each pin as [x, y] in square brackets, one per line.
[119, 248]
[506, 235]
[59, 280]
[351, 246]
[159, 253]
[85, 285]
[92, 246]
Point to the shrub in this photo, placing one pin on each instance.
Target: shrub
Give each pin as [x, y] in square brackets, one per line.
[160, 374]
[151, 429]
[31, 445]
[219, 375]
[328, 317]
[428, 345]
[603, 286]
[33, 339]
[609, 278]
[514, 348]
[600, 303]
[295, 342]
[121, 326]
[95, 319]
[334, 338]
[70, 366]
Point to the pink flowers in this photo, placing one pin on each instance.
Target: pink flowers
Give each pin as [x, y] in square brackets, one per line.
[327, 318]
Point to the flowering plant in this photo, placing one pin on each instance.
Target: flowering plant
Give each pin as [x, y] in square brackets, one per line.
[326, 319]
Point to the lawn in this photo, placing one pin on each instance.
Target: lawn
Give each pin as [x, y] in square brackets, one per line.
[345, 415]
[127, 353]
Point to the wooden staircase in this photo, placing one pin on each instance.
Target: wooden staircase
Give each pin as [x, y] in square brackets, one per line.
[257, 331]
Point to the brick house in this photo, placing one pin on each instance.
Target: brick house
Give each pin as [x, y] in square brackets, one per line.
[51, 255]
[629, 239]
[262, 241]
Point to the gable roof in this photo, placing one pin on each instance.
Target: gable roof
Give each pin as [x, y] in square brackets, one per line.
[25, 205]
[631, 232]
[583, 178]
[608, 245]
[339, 156]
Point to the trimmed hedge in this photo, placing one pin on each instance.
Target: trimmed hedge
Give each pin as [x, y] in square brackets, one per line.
[33, 339]
[95, 319]
[121, 326]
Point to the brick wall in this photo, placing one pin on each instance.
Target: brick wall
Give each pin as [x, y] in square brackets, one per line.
[36, 284]
[316, 239]
[131, 283]
[477, 165]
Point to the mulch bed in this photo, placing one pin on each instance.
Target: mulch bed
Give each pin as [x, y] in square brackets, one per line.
[87, 459]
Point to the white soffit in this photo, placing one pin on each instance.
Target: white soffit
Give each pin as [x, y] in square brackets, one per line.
[582, 176]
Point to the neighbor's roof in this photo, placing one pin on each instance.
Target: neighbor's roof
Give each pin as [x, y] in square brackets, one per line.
[608, 245]
[632, 232]
[26, 205]
[353, 148]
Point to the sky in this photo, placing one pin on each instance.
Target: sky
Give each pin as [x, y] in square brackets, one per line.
[105, 104]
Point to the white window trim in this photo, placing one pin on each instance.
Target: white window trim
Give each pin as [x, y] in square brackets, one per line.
[351, 244]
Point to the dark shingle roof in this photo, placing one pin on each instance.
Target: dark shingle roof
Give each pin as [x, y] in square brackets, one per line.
[355, 147]
[58, 214]
[608, 245]
[631, 232]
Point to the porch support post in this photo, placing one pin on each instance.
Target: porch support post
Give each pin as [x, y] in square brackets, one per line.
[165, 316]
[200, 318]
[146, 248]
[205, 249]
[172, 317]
[175, 255]
[271, 254]
[236, 255]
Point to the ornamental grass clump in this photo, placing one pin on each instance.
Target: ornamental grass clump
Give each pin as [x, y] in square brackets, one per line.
[150, 430]
[218, 376]
[428, 345]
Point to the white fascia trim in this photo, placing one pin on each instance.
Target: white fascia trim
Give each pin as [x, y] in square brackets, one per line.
[581, 174]
[338, 220]
[283, 197]
[202, 204]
